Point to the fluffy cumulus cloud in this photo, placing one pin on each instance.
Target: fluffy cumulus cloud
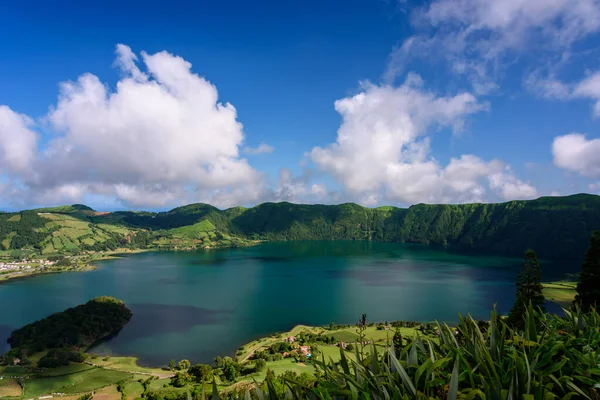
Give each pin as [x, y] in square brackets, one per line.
[575, 153]
[479, 38]
[383, 149]
[17, 141]
[161, 135]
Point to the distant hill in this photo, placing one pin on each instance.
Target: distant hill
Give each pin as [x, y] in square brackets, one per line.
[72, 209]
[556, 227]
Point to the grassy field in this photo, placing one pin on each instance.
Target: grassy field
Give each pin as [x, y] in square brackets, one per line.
[9, 388]
[134, 390]
[13, 371]
[128, 364]
[349, 335]
[77, 382]
[81, 378]
[66, 370]
[68, 232]
[279, 367]
[110, 393]
[76, 379]
[158, 383]
[562, 293]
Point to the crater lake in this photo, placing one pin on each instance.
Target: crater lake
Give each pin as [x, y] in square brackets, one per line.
[197, 305]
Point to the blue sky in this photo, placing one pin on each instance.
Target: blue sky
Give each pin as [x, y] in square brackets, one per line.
[437, 101]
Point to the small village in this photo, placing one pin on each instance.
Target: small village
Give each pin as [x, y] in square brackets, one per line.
[24, 264]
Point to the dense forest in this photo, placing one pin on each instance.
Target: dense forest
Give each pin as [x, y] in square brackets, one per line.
[77, 327]
[557, 227]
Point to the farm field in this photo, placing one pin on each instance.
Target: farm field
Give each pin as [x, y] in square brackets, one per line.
[562, 293]
[73, 383]
[128, 364]
[10, 388]
[77, 379]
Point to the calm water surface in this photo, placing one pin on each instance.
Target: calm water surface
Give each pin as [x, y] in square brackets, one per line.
[197, 305]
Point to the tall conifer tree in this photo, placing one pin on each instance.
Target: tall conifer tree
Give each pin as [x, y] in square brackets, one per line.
[529, 289]
[588, 287]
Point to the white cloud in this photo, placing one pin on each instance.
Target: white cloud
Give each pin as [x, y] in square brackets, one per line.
[510, 187]
[479, 38]
[126, 61]
[263, 148]
[160, 137]
[590, 88]
[548, 87]
[573, 152]
[551, 88]
[382, 148]
[17, 141]
[298, 189]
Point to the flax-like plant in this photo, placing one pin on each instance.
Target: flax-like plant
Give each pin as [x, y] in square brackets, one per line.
[551, 358]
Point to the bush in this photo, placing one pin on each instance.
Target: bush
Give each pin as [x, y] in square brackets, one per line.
[231, 372]
[59, 358]
[183, 365]
[167, 394]
[201, 372]
[259, 365]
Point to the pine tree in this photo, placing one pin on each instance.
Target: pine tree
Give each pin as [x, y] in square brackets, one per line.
[588, 287]
[529, 289]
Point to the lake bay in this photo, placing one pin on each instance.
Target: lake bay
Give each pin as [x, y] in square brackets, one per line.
[197, 305]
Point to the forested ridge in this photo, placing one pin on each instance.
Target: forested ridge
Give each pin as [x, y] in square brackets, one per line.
[79, 326]
[557, 227]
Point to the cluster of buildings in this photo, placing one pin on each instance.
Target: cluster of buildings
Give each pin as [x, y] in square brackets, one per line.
[23, 265]
[301, 349]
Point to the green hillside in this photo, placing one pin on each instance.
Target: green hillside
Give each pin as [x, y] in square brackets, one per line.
[556, 227]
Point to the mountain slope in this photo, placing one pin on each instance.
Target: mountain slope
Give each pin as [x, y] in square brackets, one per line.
[556, 227]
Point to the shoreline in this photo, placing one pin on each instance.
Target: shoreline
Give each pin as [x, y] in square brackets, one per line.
[566, 289]
[26, 275]
[280, 352]
[91, 258]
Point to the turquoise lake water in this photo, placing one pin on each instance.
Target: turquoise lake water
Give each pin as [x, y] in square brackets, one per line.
[197, 305]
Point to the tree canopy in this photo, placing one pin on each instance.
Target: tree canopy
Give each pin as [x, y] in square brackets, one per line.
[588, 287]
[529, 290]
[77, 327]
